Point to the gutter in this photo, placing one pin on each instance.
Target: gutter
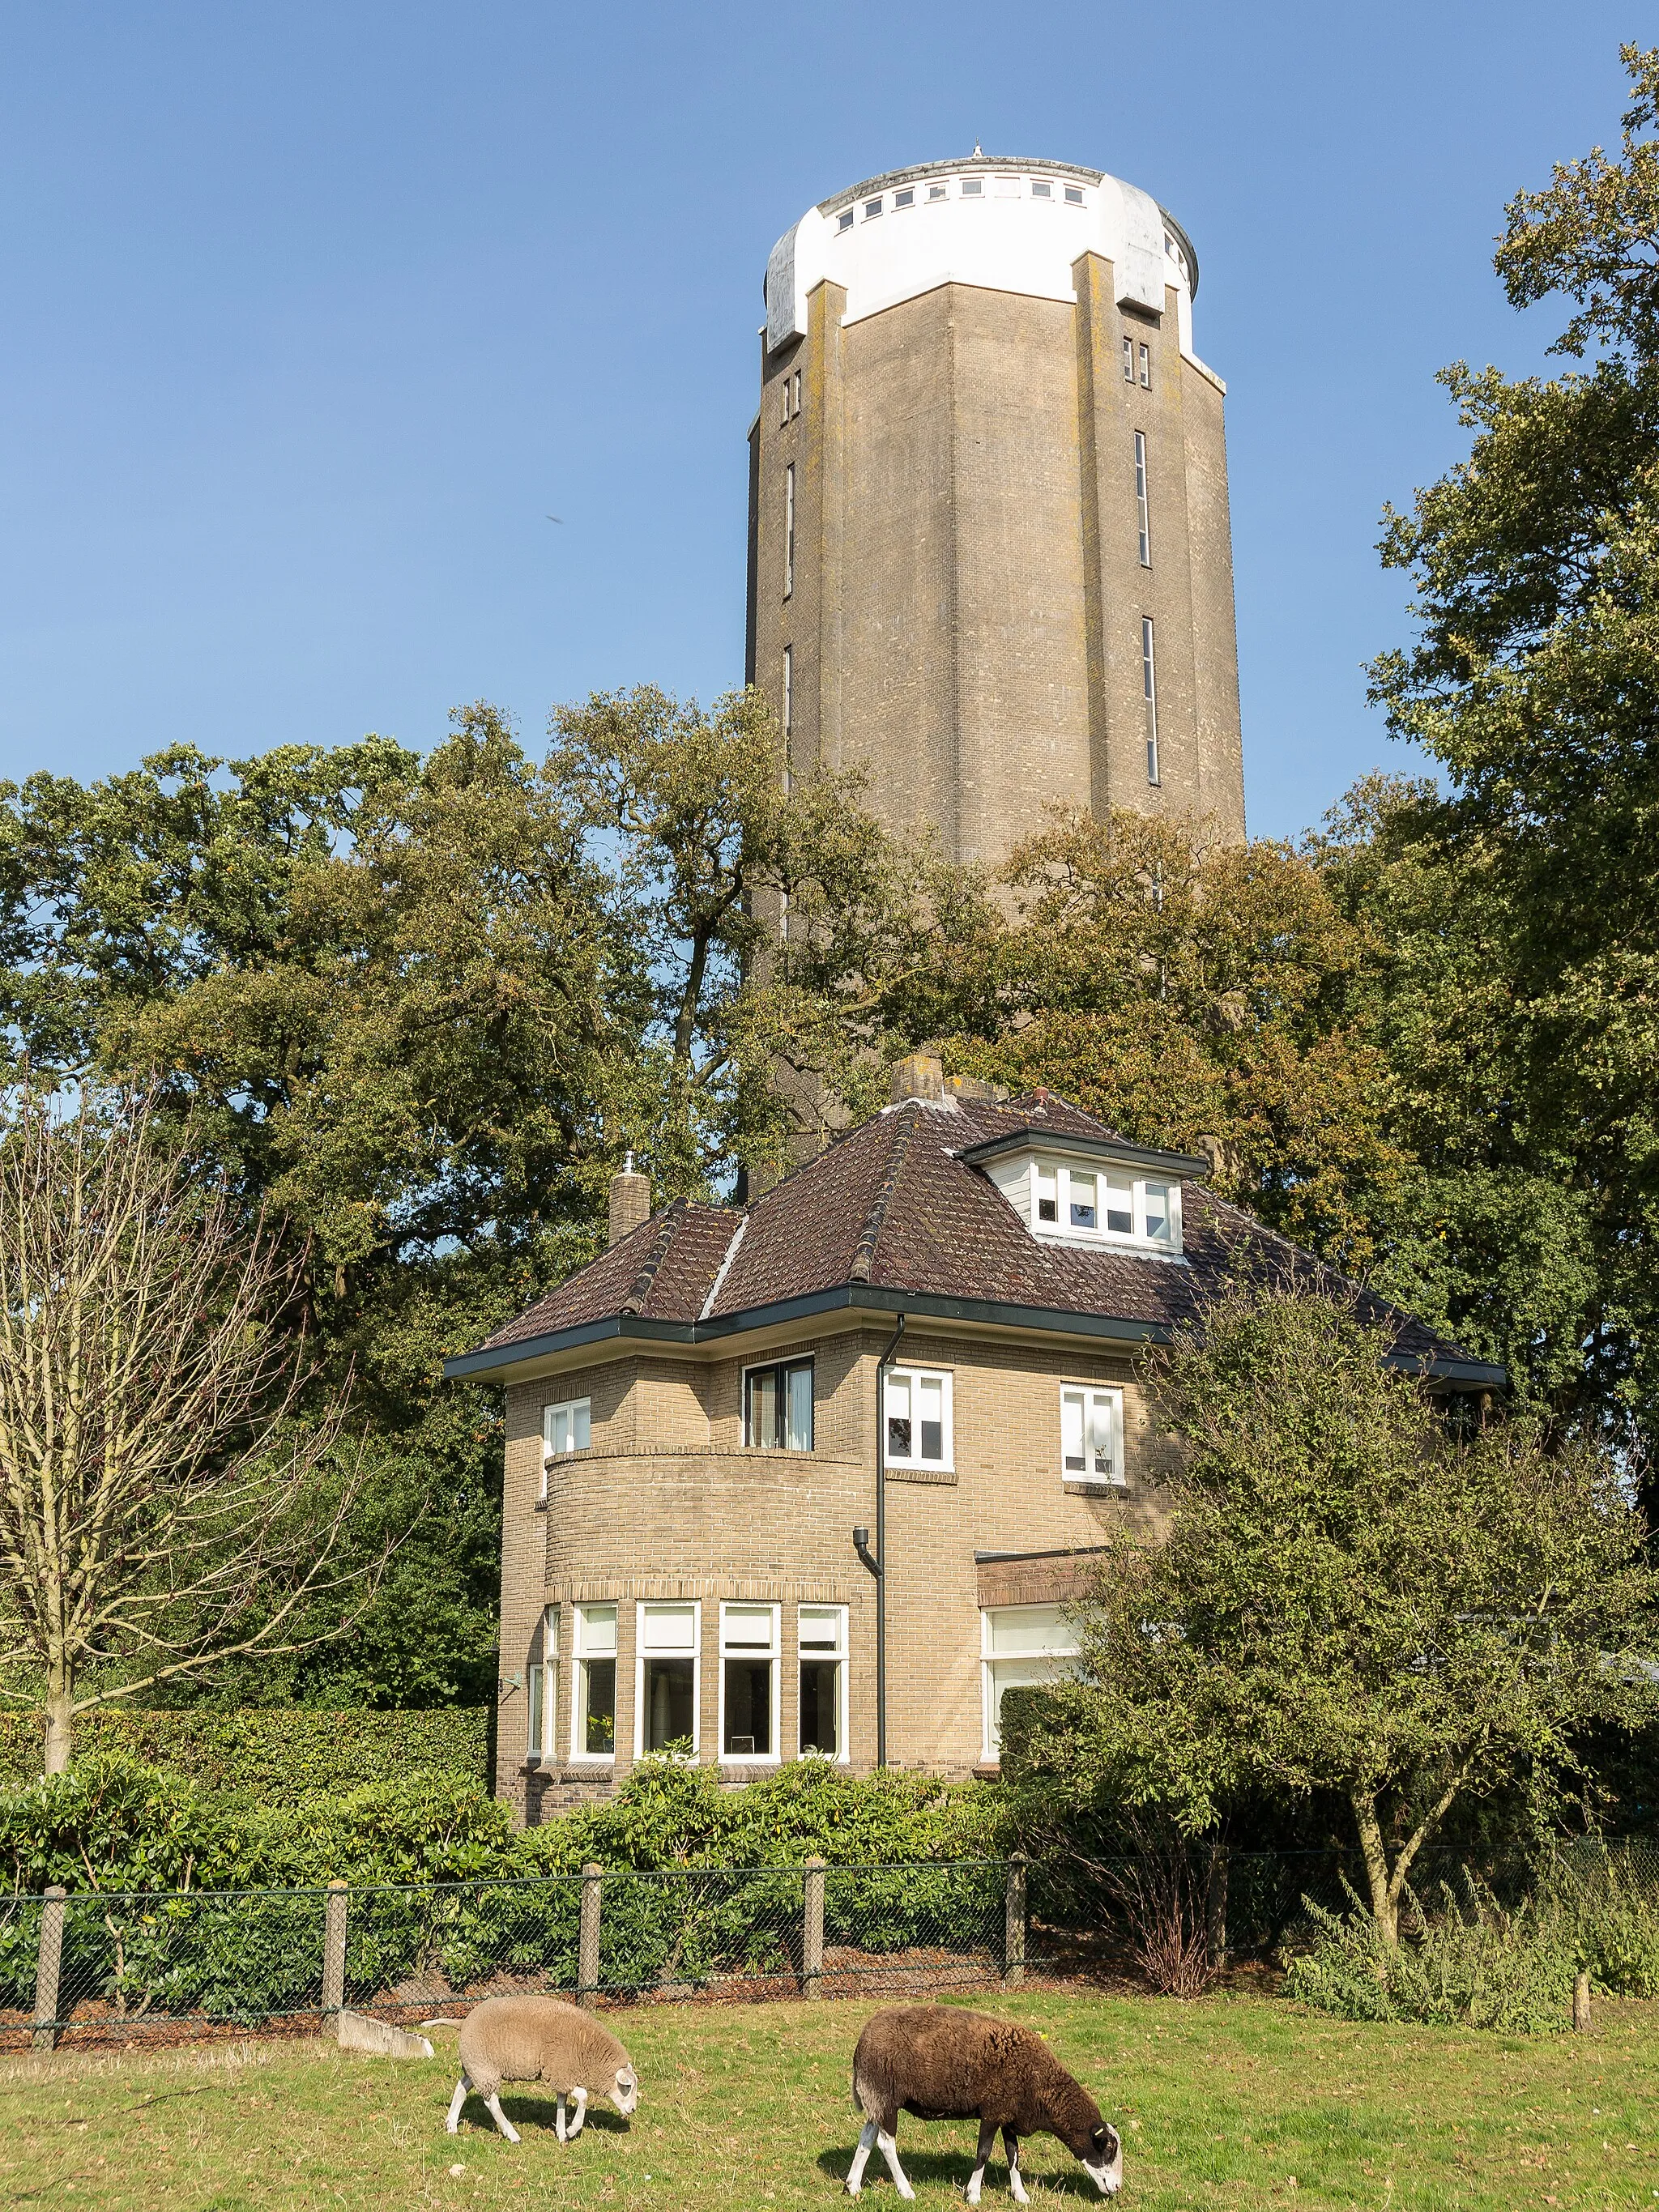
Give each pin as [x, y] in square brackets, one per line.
[868, 1298]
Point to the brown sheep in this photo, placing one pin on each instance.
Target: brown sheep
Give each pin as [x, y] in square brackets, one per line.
[541, 2039]
[945, 2064]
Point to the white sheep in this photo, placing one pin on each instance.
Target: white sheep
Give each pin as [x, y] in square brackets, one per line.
[541, 2039]
[943, 2063]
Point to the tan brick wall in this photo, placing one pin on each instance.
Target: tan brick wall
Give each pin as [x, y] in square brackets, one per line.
[667, 1503]
[965, 622]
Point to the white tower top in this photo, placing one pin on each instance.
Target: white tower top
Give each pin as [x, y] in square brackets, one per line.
[1006, 226]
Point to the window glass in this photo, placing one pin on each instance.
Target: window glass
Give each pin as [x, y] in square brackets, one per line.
[1081, 1212]
[1120, 1206]
[1090, 1423]
[749, 1643]
[1128, 359]
[937, 192]
[918, 1418]
[844, 220]
[594, 1716]
[1158, 1211]
[822, 1652]
[973, 188]
[872, 209]
[1142, 504]
[906, 198]
[542, 1686]
[798, 391]
[1047, 1195]
[1074, 196]
[777, 1406]
[1041, 189]
[568, 1427]
[668, 1676]
[1147, 367]
[1022, 1645]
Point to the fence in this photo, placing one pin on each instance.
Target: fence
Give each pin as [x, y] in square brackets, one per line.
[96, 1966]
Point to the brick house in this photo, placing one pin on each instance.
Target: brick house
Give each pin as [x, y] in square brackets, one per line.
[697, 1488]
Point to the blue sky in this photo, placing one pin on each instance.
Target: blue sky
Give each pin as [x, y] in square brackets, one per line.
[315, 313]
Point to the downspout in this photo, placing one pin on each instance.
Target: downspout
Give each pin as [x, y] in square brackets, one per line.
[877, 1565]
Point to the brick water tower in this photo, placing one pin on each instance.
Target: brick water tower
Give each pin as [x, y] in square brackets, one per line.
[990, 560]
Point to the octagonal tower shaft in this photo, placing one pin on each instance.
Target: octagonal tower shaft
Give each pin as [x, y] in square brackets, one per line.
[990, 558]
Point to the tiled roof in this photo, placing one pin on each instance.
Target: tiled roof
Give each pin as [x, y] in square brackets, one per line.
[891, 1208]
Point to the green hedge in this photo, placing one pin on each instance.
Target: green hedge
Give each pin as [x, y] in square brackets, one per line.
[270, 1753]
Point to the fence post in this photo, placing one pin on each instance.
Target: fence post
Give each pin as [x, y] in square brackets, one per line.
[334, 1950]
[1215, 1907]
[48, 1967]
[1014, 1923]
[812, 1934]
[587, 1946]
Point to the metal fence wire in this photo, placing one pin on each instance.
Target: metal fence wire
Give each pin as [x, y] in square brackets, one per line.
[96, 1967]
[101, 1967]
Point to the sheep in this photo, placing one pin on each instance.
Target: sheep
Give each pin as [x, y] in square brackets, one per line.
[533, 2039]
[944, 2064]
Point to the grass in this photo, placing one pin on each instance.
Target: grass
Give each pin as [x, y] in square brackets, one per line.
[1242, 2102]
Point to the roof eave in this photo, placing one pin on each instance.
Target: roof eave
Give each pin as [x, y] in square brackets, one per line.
[1185, 1166]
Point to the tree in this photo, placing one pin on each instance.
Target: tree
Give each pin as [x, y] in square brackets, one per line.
[160, 1508]
[1192, 994]
[1357, 1595]
[1534, 682]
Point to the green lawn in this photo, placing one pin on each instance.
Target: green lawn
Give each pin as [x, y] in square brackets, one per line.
[1236, 2101]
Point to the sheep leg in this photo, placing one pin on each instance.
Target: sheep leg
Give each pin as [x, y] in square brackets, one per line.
[888, 2146]
[860, 2159]
[559, 2117]
[988, 2135]
[455, 2104]
[580, 2096]
[1016, 2186]
[493, 2106]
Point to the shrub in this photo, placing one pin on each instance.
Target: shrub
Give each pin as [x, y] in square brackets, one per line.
[275, 1753]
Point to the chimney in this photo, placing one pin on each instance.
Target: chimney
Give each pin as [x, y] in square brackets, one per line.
[630, 1201]
[919, 1075]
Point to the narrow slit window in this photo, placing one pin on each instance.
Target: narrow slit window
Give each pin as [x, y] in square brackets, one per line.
[1128, 359]
[789, 529]
[796, 380]
[1149, 688]
[1142, 508]
[1145, 367]
[789, 688]
[542, 1686]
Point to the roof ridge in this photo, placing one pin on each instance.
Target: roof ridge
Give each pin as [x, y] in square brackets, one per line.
[864, 1254]
[725, 1267]
[640, 1289]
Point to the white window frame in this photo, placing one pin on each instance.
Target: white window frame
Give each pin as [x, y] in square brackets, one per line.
[1062, 1227]
[642, 1651]
[751, 1652]
[1042, 189]
[913, 1376]
[937, 192]
[1072, 196]
[796, 382]
[1090, 1394]
[1128, 358]
[580, 1417]
[789, 530]
[844, 220]
[907, 199]
[1146, 352]
[840, 1658]
[581, 1656]
[973, 188]
[872, 209]
[1057, 1659]
[1149, 692]
[1143, 502]
[542, 1693]
[759, 1367]
[789, 688]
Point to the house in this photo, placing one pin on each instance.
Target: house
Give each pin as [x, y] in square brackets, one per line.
[698, 1488]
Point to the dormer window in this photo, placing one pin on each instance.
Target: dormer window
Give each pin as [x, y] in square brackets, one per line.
[1099, 1192]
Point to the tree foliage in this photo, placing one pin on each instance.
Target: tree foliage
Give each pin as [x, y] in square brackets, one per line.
[1356, 1596]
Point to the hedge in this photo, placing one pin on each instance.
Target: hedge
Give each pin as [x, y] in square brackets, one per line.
[274, 1753]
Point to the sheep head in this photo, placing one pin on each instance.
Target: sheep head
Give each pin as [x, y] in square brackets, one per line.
[625, 2090]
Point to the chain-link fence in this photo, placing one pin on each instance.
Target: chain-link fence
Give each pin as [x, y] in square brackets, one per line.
[98, 1966]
